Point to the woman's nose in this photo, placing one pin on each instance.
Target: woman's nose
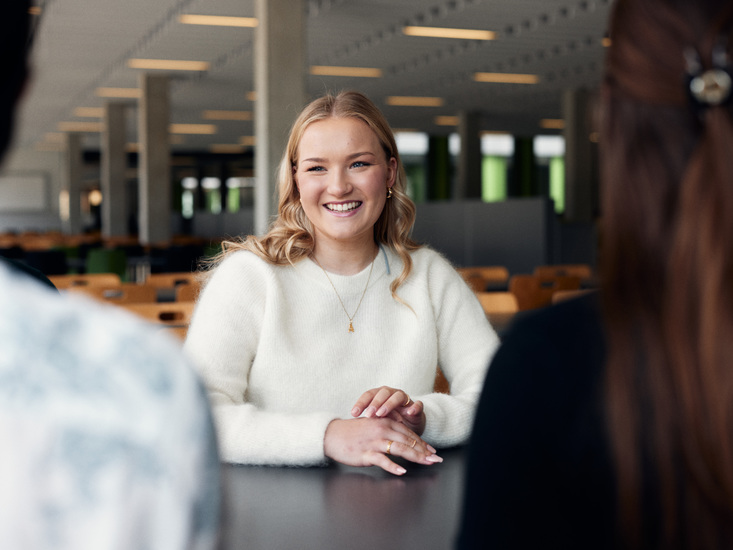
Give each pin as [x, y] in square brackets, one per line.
[339, 183]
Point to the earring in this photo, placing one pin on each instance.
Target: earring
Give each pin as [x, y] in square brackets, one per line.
[389, 192]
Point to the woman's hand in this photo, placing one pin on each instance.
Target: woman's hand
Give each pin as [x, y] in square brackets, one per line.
[386, 402]
[370, 442]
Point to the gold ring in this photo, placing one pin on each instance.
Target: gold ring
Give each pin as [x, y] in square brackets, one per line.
[413, 443]
[389, 446]
[407, 401]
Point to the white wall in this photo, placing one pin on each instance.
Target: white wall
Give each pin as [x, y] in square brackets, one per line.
[35, 166]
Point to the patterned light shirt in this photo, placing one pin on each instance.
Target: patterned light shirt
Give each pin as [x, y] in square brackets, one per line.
[106, 439]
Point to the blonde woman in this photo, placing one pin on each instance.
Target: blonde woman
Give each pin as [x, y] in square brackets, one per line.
[320, 340]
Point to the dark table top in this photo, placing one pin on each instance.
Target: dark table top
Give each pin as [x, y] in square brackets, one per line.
[343, 508]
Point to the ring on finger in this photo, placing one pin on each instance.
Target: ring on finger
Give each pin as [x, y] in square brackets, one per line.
[407, 401]
[389, 446]
[414, 441]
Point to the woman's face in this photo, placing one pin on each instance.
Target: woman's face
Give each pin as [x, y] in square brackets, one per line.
[342, 175]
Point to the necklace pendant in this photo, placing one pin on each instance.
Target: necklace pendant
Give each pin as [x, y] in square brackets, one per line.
[351, 327]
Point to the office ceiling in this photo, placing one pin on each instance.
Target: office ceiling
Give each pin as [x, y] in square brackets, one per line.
[82, 46]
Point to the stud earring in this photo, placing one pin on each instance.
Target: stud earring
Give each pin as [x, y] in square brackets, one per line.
[389, 192]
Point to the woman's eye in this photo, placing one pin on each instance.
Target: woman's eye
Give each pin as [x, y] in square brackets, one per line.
[360, 164]
[315, 169]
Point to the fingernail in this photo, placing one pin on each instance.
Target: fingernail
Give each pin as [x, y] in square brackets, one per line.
[382, 411]
[430, 448]
[434, 458]
[401, 470]
[355, 411]
[370, 411]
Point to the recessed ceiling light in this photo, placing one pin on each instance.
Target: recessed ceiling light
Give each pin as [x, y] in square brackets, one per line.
[552, 123]
[506, 78]
[80, 127]
[227, 115]
[324, 70]
[89, 112]
[442, 32]
[217, 20]
[192, 129]
[412, 101]
[168, 64]
[446, 120]
[132, 93]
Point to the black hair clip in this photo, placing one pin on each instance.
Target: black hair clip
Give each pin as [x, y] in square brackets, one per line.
[711, 87]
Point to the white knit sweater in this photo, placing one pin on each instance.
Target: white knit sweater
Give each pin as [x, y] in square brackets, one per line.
[273, 348]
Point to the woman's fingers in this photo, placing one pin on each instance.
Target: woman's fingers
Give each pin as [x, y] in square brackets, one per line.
[372, 441]
[380, 402]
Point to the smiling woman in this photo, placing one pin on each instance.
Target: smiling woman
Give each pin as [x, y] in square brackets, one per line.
[320, 340]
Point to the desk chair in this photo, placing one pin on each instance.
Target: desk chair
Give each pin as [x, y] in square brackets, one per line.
[172, 279]
[175, 314]
[583, 271]
[533, 292]
[125, 293]
[480, 278]
[88, 279]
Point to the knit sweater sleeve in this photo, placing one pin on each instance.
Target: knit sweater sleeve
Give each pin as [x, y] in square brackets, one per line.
[466, 345]
[222, 341]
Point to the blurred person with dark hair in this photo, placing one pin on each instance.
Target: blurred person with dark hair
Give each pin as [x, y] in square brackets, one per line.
[607, 421]
[108, 441]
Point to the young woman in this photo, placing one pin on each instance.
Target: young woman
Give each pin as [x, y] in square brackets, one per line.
[321, 339]
[621, 431]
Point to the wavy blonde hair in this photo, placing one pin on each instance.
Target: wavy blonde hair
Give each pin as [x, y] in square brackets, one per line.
[291, 237]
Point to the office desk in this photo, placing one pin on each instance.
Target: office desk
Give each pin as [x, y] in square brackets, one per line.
[343, 508]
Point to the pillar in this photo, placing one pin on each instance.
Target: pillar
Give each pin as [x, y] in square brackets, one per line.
[523, 178]
[438, 169]
[581, 168]
[114, 164]
[280, 85]
[154, 191]
[468, 180]
[70, 199]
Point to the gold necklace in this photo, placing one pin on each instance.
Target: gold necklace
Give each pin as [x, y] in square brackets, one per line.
[351, 317]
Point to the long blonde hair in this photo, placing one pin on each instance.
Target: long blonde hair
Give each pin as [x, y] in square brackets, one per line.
[291, 237]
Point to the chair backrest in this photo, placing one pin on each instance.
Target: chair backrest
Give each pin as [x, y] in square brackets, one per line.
[171, 280]
[126, 293]
[480, 277]
[498, 302]
[562, 295]
[168, 313]
[582, 271]
[88, 279]
[534, 292]
[188, 292]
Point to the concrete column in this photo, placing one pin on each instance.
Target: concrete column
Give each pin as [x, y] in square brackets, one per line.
[114, 163]
[438, 169]
[581, 168]
[154, 192]
[468, 181]
[70, 197]
[280, 80]
[523, 180]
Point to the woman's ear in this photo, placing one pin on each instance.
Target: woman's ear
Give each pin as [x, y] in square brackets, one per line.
[295, 180]
[391, 171]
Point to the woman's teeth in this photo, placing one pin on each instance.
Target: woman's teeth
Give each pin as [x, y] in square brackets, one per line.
[345, 207]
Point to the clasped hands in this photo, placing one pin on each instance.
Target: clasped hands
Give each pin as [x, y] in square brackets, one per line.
[386, 423]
